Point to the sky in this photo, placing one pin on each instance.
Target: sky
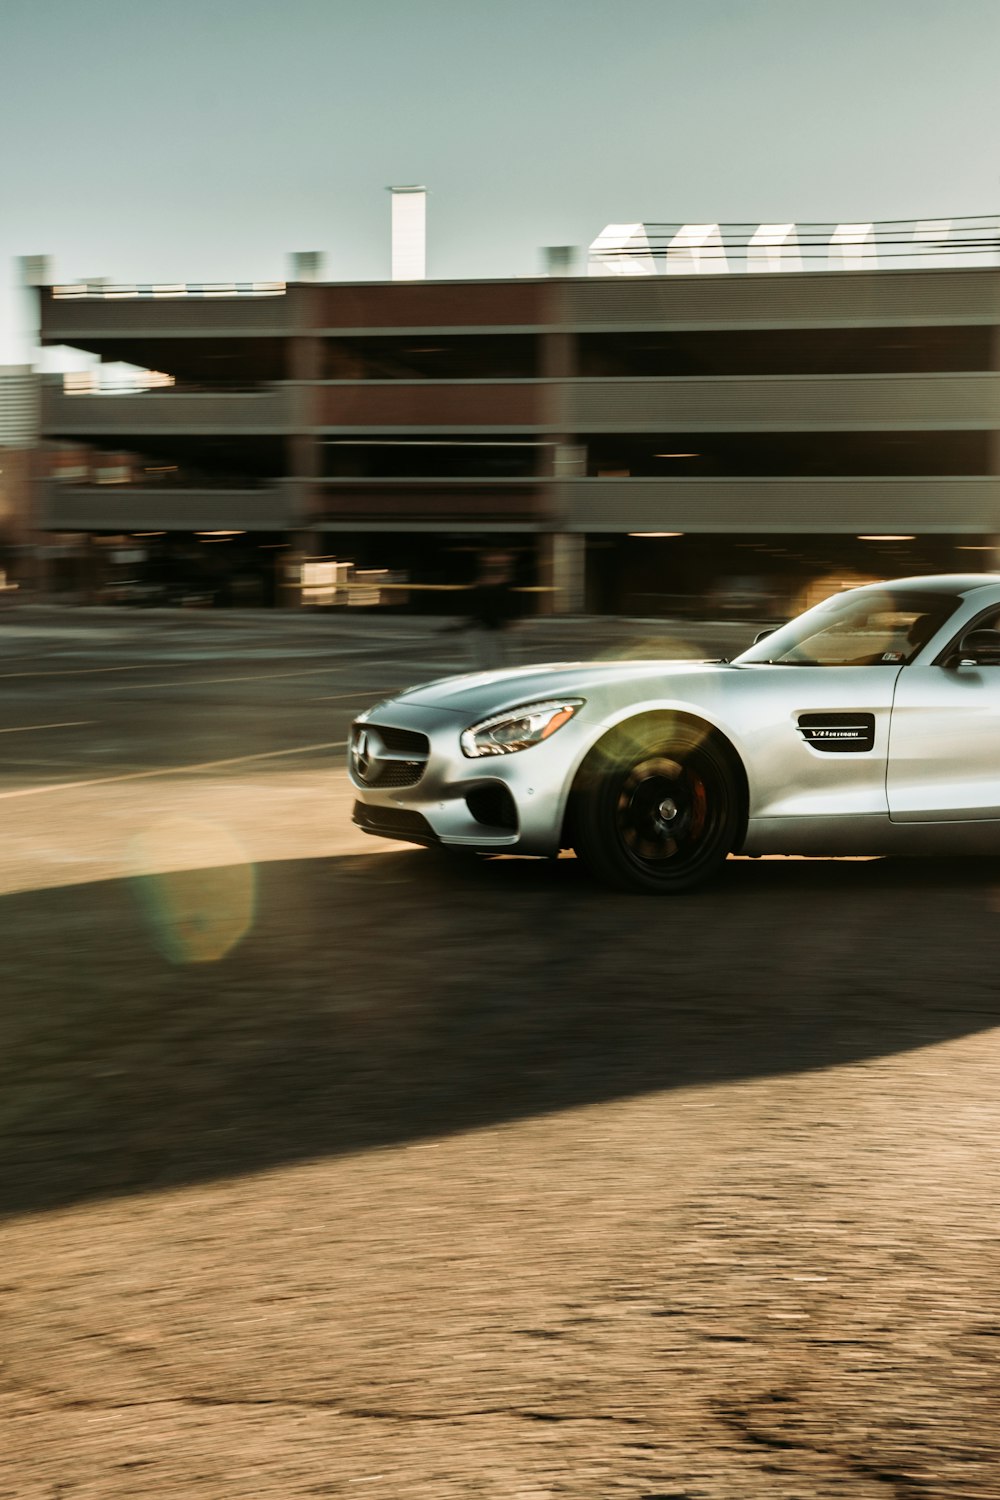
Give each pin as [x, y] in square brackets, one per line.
[204, 140]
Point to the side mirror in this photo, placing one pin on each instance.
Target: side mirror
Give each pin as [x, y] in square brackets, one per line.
[980, 648]
[762, 635]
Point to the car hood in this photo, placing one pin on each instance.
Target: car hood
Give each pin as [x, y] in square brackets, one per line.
[491, 692]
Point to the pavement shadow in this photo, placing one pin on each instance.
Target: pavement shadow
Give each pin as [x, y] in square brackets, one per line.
[382, 997]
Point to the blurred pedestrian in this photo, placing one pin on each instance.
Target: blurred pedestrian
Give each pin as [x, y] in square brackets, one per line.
[492, 609]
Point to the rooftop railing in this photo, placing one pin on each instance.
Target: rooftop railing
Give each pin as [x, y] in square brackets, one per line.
[690, 249]
[111, 292]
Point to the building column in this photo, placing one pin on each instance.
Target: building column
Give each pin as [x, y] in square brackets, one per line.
[304, 451]
[561, 554]
[995, 434]
[562, 569]
[995, 347]
[304, 465]
[556, 366]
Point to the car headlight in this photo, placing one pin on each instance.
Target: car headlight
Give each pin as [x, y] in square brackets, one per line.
[519, 728]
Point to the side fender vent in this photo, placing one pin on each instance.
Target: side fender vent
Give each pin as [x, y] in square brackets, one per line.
[838, 734]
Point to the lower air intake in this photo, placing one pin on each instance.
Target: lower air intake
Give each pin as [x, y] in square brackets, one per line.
[493, 806]
[394, 823]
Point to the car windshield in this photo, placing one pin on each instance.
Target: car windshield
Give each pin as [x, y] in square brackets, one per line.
[863, 628]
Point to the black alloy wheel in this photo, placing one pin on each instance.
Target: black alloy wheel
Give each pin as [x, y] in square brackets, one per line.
[659, 815]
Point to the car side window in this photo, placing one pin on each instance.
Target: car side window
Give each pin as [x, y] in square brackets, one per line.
[988, 620]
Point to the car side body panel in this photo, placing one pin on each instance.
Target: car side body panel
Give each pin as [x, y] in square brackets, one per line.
[871, 759]
[756, 709]
[946, 745]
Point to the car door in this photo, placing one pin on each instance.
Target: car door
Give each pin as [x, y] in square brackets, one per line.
[817, 739]
[944, 742]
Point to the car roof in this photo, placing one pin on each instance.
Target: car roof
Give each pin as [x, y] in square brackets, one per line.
[937, 583]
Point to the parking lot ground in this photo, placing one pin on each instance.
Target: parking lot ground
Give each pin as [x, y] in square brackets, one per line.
[330, 1168]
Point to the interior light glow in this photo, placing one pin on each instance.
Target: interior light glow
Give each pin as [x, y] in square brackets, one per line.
[378, 442]
[886, 539]
[656, 533]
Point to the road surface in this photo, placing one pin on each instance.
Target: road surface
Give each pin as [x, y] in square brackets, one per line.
[328, 1169]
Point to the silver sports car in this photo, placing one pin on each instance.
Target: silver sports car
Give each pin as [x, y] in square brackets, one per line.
[868, 725]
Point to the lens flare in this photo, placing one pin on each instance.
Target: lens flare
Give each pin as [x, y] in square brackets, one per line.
[195, 887]
[653, 648]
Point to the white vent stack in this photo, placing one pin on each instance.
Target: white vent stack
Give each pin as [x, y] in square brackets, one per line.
[305, 265]
[560, 260]
[18, 407]
[34, 271]
[409, 233]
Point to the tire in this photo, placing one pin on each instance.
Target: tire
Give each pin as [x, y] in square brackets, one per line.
[657, 808]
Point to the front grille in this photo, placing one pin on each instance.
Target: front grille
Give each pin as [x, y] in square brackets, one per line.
[384, 756]
[397, 773]
[405, 741]
[394, 823]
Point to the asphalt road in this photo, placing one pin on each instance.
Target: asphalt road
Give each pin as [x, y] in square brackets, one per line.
[329, 1169]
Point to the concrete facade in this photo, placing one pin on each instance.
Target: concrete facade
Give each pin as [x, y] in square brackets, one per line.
[817, 405]
[19, 472]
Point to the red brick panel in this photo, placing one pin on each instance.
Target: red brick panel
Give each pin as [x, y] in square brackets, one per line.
[430, 304]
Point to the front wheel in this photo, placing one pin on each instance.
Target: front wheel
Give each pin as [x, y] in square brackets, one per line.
[657, 809]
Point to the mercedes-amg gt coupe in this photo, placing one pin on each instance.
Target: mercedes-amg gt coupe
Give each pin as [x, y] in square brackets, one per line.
[869, 725]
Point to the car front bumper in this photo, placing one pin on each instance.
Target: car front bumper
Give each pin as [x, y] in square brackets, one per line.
[505, 803]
